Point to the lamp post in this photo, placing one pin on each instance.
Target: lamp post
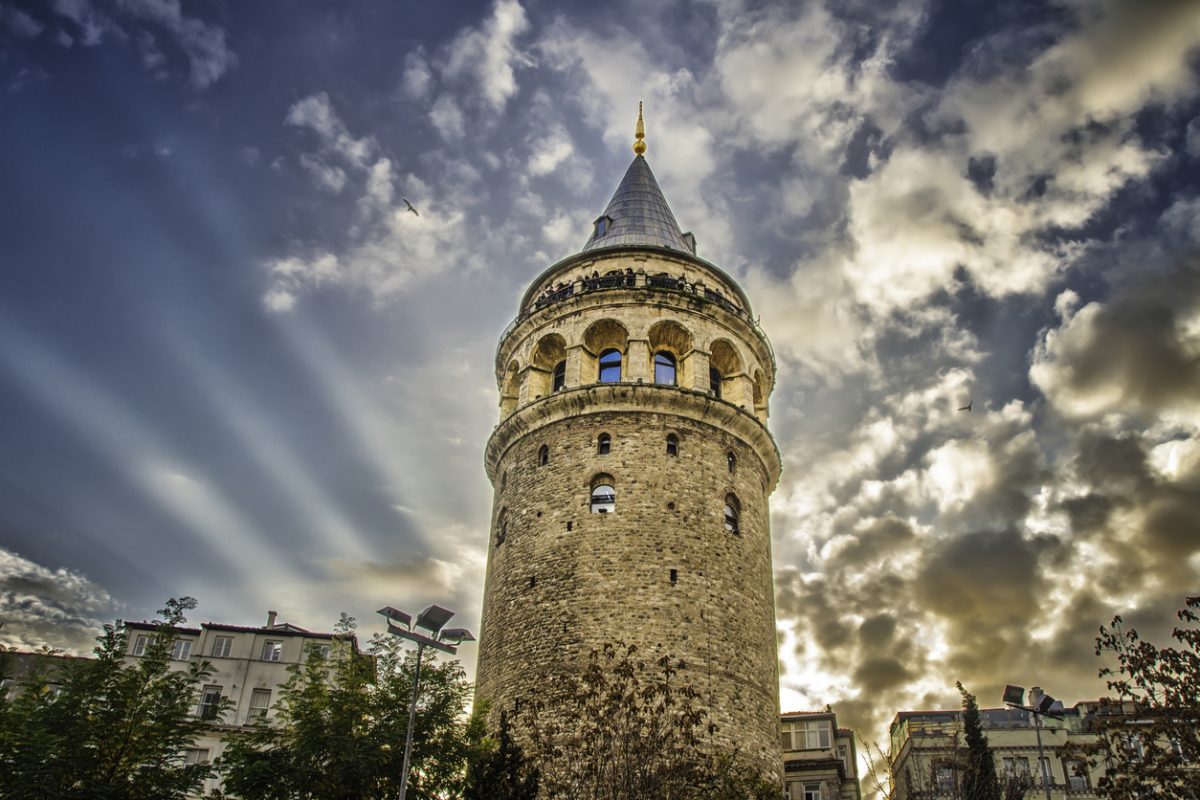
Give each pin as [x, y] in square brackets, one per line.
[1043, 706]
[432, 620]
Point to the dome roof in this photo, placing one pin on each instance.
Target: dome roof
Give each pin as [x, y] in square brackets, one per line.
[638, 214]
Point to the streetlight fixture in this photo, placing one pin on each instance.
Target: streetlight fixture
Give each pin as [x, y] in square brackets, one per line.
[1041, 705]
[432, 621]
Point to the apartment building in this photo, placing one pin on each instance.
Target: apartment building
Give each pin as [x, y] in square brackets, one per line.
[820, 761]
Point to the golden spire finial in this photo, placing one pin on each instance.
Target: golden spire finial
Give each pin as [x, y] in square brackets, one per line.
[639, 145]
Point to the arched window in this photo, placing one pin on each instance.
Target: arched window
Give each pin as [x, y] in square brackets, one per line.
[560, 376]
[604, 495]
[603, 444]
[672, 444]
[544, 455]
[502, 527]
[732, 512]
[664, 368]
[610, 366]
[714, 381]
[731, 461]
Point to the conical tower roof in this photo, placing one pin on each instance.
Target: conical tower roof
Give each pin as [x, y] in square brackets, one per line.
[638, 214]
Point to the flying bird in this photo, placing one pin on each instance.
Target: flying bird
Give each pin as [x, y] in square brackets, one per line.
[410, 206]
[967, 407]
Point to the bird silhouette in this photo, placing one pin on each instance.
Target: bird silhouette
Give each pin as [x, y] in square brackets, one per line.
[967, 407]
[410, 206]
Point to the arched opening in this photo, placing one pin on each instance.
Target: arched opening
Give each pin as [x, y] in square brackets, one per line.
[733, 511]
[550, 351]
[664, 368]
[604, 495]
[723, 365]
[672, 445]
[610, 366]
[502, 527]
[560, 376]
[543, 455]
[731, 461]
[714, 382]
[603, 444]
[510, 389]
[760, 390]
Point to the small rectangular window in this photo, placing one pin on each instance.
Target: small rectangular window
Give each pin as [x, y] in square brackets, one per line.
[181, 650]
[195, 756]
[260, 702]
[139, 645]
[222, 646]
[210, 702]
[272, 651]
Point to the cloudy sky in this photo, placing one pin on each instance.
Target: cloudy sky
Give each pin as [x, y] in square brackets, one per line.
[233, 366]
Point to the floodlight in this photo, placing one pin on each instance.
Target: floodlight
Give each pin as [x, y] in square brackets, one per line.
[1014, 695]
[456, 635]
[1046, 703]
[433, 618]
[396, 615]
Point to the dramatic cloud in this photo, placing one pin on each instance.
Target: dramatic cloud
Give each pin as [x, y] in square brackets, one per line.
[43, 607]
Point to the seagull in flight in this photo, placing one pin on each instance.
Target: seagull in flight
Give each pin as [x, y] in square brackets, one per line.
[410, 206]
[967, 407]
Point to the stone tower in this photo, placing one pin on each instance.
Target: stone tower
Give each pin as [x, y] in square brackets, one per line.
[632, 466]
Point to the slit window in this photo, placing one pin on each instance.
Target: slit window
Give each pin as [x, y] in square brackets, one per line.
[603, 444]
[732, 514]
[672, 445]
[560, 376]
[543, 455]
[610, 366]
[664, 368]
[731, 461]
[714, 382]
[502, 527]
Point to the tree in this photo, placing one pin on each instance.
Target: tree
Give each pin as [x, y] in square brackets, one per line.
[339, 728]
[979, 780]
[106, 727]
[1149, 731]
[623, 730]
[501, 772]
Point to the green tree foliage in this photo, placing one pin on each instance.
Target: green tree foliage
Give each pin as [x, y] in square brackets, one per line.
[624, 730]
[339, 727]
[1149, 729]
[501, 772]
[107, 728]
[979, 781]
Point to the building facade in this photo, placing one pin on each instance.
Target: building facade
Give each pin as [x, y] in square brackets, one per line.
[820, 760]
[927, 748]
[249, 663]
[631, 469]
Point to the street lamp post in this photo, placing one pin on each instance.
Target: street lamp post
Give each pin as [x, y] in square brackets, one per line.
[433, 620]
[1043, 705]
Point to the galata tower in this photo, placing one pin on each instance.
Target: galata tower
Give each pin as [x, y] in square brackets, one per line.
[632, 466]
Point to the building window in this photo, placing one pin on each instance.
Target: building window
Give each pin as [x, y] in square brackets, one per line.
[321, 651]
[602, 226]
[714, 382]
[731, 461]
[943, 778]
[603, 444]
[1047, 775]
[604, 495]
[543, 455]
[807, 735]
[181, 650]
[672, 444]
[1016, 768]
[732, 515]
[812, 791]
[222, 646]
[610, 366]
[502, 527]
[560, 376]
[195, 756]
[139, 645]
[272, 650]
[260, 701]
[664, 368]
[1077, 774]
[210, 702]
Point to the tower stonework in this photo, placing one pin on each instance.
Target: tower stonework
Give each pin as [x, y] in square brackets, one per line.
[632, 468]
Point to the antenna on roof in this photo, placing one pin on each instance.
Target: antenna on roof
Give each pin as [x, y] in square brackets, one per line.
[639, 145]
